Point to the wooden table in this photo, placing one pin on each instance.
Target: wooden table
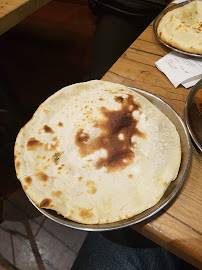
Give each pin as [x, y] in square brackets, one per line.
[178, 228]
[14, 11]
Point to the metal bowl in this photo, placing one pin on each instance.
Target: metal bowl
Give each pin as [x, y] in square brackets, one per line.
[193, 117]
[170, 193]
[156, 23]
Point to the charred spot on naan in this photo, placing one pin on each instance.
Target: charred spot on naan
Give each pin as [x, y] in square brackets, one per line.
[50, 146]
[165, 184]
[47, 129]
[80, 178]
[81, 137]
[85, 213]
[61, 167]
[33, 144]
[179, 26]
[42, 176]
[119, 99]
[46, 111]
[28, 180]
[114, 123]
[57, 193]
[17, 166]
[25, 187]
[198, 29]
[91, 187]
[60, 124]
[45, 203]
[55, 139]
[46, 167]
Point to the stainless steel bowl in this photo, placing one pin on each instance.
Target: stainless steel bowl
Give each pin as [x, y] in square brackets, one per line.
[155, 26]
[193, 117]
[170, 193]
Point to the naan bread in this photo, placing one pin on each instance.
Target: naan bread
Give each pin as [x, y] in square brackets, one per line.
[182, 28]
[97, 152]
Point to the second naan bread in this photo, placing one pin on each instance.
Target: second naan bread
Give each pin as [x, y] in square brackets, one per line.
[182, 28]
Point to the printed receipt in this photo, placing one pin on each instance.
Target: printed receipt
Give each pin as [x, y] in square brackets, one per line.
[181, 69]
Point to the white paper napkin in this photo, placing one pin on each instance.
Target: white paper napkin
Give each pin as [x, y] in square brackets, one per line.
[178, 1]
[181, 69]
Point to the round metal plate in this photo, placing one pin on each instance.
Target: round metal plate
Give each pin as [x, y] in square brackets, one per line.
[155, 26]
[193, 117]
[170, 193]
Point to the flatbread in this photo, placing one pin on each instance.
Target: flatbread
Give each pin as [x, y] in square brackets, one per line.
[182, 28]
[97, 152]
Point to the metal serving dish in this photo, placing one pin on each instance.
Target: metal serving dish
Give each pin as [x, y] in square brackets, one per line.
[170, 193]
[193, 117]
[156, 23]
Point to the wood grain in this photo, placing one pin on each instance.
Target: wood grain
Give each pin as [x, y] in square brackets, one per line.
[178, 227]
[14, 11]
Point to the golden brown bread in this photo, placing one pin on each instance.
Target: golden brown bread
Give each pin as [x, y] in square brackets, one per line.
[97, 152]
[182, 28]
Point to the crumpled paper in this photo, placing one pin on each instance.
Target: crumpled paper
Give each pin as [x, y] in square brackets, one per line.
[181, 69]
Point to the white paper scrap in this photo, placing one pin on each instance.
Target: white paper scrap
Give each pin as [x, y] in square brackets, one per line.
[178, 1]
[181, 68]
[190, 82]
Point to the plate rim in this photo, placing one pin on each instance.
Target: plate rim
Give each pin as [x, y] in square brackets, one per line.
[192, 93]
[157, 20]
[128, 222]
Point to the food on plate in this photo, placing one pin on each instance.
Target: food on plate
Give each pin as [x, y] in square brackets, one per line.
[198, 100]
[97, 152]
[182, 28]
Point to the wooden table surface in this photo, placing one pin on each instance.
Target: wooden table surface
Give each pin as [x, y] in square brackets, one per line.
[178, 228]
[14, 11]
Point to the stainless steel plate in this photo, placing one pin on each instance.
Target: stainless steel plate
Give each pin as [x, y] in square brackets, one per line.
[156, 22]
[193, 117]
[170, 193]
